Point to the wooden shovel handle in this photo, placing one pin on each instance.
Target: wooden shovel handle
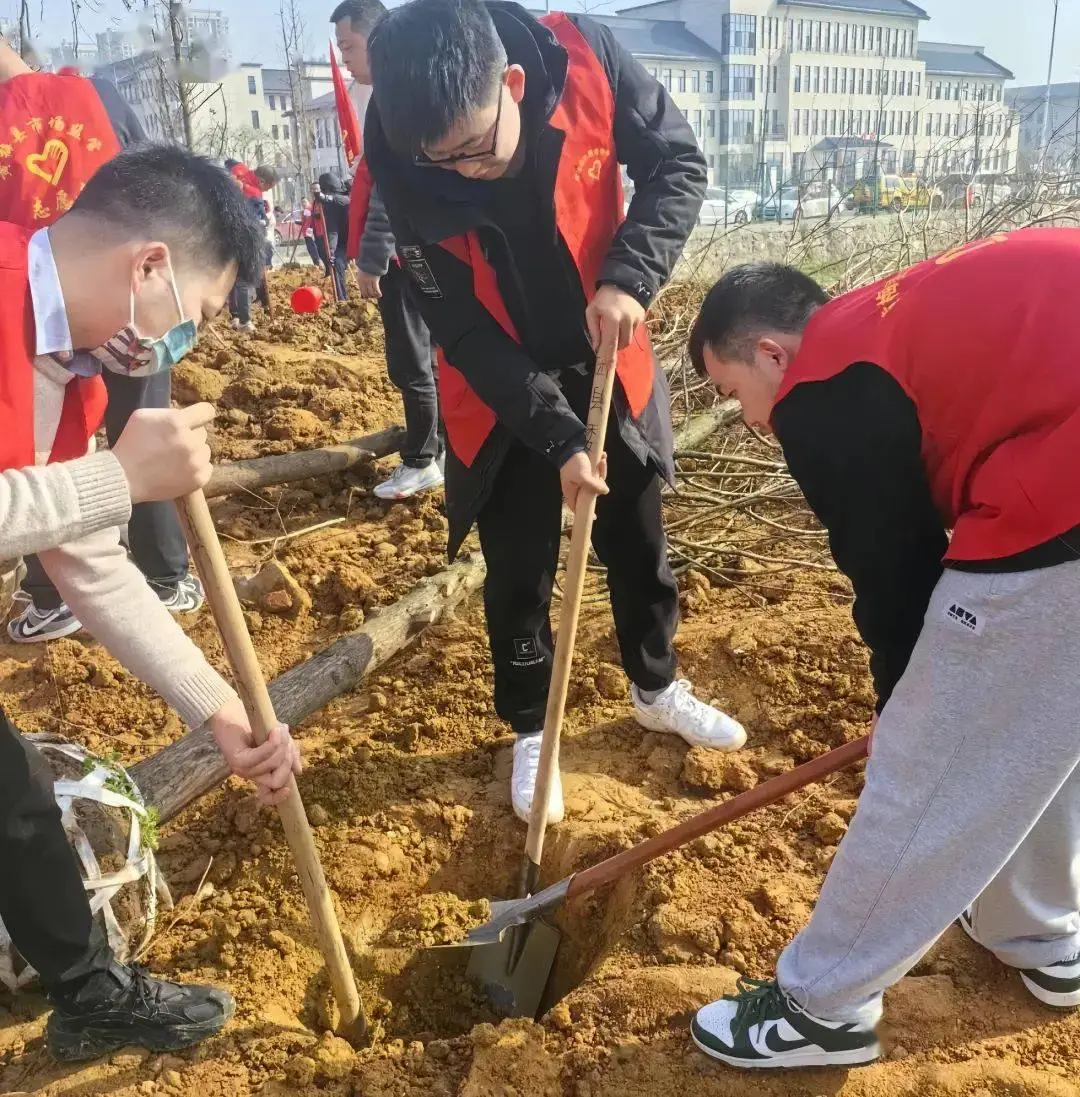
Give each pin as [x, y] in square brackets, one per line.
[210, 561]
[573, 584]
[776, 788]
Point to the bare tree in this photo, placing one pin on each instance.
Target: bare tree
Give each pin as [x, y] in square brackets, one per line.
[293, 44]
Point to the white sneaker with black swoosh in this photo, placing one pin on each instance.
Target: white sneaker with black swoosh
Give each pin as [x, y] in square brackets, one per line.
[761, 1027]
[35, 626]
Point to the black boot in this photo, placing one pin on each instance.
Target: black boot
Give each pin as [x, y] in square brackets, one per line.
[125, 1005]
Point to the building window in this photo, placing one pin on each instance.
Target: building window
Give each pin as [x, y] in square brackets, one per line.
[710, 123]
[254, 119]
[815, 122]
[285, 132]
[737, 127]
[815, 42]
[737, 81]
[270, 101]
[795, 128]
[695, 81]
[667, 79]
[832, 123]
[252, 90]
[817, 79]
[806, 123]
[798, 78]
[739, 33]
[680, 80]
[798, 39]
[697, 124]
[843, 81]
[775, 77]
[708, 81]
[712, 161]
[274, 132]
[877, 41]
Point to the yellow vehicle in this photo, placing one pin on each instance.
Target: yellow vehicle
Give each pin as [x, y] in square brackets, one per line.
[895, 192]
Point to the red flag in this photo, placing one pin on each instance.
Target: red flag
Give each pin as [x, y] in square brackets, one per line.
[346, 112]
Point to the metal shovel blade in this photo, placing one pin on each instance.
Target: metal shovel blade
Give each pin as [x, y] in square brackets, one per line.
[513, 973]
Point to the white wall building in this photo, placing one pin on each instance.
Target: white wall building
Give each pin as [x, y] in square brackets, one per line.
[808, 87]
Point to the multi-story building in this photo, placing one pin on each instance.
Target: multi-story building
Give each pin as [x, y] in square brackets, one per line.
[1060, 129]
[822, 87]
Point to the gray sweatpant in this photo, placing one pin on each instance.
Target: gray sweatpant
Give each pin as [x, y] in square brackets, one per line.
[972, 796]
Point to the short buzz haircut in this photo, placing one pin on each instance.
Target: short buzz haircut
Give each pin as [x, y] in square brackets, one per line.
[361, 14]
[749, 300]
[433, 62]
[165, 193]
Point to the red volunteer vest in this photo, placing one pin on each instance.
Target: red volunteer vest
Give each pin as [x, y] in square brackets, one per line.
[983, 339]
[588, 211]
[54, 134]
[84, 397]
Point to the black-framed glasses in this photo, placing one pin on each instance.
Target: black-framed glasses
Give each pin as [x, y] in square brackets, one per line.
[422, 160]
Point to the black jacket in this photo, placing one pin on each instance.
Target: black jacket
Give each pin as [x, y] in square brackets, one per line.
[125, 122]
[335, 204]
[425, 206]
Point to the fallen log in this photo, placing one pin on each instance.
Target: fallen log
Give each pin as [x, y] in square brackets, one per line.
[187, 769]
[261, 472]
[179, 774]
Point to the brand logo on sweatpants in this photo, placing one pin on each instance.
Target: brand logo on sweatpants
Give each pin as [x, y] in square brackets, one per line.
[964, 617]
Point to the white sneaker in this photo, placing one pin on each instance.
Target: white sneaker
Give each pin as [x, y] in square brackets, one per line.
[759, 1027]
[249, 327]
[405, 481]
[34, 626]
[678, 711]
[523, 781]
[1056, 985]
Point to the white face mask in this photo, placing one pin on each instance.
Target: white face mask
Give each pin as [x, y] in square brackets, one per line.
[133, 355]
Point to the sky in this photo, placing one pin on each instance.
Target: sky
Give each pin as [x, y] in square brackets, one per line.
[1016, 34]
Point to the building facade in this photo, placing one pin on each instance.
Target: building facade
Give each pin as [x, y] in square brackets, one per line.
[1061, 127]
[793, 90]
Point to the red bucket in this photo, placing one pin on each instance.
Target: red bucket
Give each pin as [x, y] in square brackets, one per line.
[306, 299]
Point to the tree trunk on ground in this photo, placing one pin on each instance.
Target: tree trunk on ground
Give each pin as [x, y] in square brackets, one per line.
[261, 472]
[178, 775]
[175, 777]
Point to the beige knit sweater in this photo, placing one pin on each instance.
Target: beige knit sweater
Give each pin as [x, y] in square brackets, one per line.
[79, 506]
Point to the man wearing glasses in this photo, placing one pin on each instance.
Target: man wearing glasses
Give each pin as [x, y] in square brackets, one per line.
[496, 139]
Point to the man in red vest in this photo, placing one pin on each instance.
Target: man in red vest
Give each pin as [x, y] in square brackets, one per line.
[946, 397]
[410, 357]
[56, 130]
[148, 251]
[495, 139]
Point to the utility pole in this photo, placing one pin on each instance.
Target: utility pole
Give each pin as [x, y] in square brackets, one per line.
[1049, 78]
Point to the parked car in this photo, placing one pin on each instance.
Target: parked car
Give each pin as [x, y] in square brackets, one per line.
[791, 202]
[896, 192]
[727, 207]
[287, 228]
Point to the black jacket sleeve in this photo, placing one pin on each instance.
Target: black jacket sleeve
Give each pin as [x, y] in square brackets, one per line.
[657, 145]
[125, 122]
[525, 400]
[853, 443]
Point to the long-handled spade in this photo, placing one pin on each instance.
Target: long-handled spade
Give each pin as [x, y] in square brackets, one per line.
[524, 960]
[518, 990]
[214, 571]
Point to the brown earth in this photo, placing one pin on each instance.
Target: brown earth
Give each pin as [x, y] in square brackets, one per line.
[407, 782]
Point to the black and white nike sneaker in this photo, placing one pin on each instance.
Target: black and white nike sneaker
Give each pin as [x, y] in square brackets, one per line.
[35, 626]
[185, 596]
[761, 1027]
[1056, 986]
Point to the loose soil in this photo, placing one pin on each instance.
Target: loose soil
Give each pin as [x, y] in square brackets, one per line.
[407, 783]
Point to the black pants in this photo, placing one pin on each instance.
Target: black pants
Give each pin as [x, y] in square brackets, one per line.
[154, 535]
[519, 535]
[410, 365]
[336, 249]
[42, 900]
[240, 302]
[313, 250]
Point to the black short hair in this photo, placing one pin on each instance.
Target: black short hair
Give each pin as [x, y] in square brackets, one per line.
[432, 63]
[361, 14]
[187, 201]
[748, 300]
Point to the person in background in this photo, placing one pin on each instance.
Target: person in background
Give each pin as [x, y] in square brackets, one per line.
[307, 232]
[495, 139]
[318, 223]
[253, 183]
[945, 397]
[121, 282]
[154, 536]
[410, 355]
[332, 198]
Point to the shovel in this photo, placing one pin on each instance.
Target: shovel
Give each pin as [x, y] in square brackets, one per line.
[524, 960]
[518, 991]
[210, 561]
